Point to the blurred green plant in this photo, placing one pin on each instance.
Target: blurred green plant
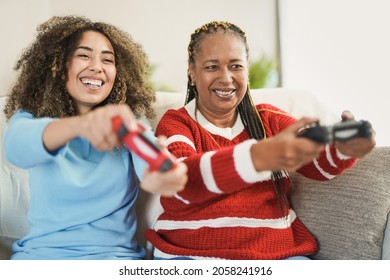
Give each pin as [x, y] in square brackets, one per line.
[263, 73]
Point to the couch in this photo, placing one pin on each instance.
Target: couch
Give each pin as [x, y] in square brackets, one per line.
[348, 215]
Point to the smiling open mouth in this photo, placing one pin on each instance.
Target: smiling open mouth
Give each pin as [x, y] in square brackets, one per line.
[224, 93]
[92, 82]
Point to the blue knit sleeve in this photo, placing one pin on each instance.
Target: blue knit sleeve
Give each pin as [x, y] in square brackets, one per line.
[23, 143]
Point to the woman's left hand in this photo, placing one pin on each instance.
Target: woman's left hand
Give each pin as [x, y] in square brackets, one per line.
[357, 147]
[165, 183]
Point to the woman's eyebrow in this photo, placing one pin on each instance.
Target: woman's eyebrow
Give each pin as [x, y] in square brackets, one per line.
[84, 48]
[89, 49]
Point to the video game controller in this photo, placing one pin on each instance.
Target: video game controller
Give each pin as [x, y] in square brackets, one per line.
[317, 133]
[342, 131]
[147, 149]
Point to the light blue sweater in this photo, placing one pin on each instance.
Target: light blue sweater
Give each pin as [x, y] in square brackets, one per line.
[81, 200]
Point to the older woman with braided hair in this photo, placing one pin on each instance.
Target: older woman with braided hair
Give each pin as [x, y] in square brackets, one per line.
[238, 154]
[75, 78]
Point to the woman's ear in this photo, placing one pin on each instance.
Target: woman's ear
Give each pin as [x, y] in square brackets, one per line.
[191, 73]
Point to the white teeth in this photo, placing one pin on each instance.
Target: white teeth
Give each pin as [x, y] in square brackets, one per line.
[92, 82]
[224, 93]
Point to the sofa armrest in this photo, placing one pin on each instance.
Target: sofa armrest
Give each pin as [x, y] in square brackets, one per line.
[386, 241]
[348, 214]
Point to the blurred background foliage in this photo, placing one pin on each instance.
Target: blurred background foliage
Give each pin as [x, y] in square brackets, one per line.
[263, 73]
[156, 85]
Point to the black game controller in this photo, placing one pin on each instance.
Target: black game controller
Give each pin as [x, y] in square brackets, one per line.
[342, 131]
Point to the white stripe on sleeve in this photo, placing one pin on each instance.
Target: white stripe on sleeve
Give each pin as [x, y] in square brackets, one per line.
[322, 171]
[180, 138]
[329, 156]
[207, 172]
[244, 165]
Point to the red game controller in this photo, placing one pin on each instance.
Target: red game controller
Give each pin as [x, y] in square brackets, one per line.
[138, 142]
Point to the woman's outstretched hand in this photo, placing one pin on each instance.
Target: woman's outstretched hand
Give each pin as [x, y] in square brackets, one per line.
[166, 183]
[286, 151]
[356, 147]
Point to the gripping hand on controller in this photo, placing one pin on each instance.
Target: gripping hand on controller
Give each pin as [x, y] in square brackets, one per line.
[138, 142]
[342, 131]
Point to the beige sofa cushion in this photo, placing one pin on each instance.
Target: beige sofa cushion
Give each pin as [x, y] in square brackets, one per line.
[348, 214]
[14, 197]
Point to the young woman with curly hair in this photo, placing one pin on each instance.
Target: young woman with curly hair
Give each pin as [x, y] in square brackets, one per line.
[75, 77]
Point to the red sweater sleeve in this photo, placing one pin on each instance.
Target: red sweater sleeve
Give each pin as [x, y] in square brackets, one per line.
[329, 163]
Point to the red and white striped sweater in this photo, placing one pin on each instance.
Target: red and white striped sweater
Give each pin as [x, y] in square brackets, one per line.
[228, 210]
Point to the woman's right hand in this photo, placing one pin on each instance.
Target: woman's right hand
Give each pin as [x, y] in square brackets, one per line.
[95, 126]
[286, 151]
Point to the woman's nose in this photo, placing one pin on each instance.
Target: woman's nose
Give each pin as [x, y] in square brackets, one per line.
[226, 76]
[95, 66]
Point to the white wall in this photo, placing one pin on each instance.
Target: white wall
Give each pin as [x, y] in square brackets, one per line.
[17, 29]
[340, 51]
[163, 27]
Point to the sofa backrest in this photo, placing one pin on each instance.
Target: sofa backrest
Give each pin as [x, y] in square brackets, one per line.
[14, 196]
[297, 102]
